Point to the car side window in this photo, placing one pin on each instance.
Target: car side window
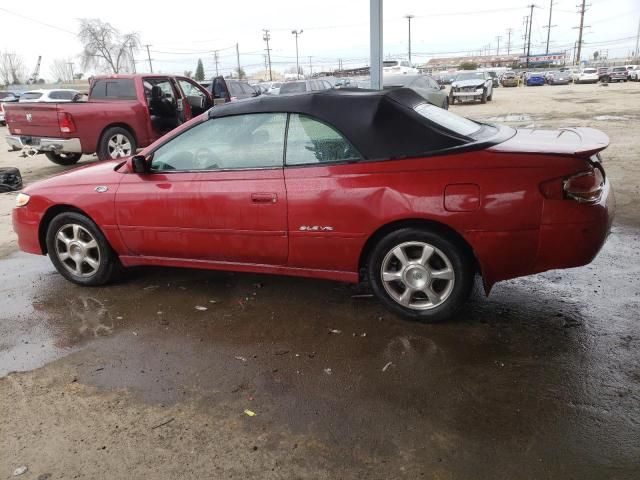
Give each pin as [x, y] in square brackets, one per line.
[189, 89]
[311, 141]
[237, 142]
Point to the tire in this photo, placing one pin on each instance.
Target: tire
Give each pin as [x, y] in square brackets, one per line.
[484, 97]
[84, 256]
[116, 142]
[446, 103]
[65, 159]
[452, 100]
[10, 179]
[446, 295]
[490, 97]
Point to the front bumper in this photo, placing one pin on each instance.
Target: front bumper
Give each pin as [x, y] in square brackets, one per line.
[26, 225]
[45, 144]
[468, 93]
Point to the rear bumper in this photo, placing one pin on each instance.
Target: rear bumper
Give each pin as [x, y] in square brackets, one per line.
[45, 144]
[569, 243]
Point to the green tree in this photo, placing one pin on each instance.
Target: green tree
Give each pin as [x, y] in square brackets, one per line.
[241, 73]
[199, 72]
[468, 66]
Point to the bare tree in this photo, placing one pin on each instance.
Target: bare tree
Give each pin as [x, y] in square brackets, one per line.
[61, 70]
[12, 69]
[105, 48]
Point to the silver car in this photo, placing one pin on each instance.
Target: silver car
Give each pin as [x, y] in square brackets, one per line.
[424, 86]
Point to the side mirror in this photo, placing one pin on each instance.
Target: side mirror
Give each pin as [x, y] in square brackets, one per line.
[139, 164]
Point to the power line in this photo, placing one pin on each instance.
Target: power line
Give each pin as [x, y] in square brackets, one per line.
[37, 21]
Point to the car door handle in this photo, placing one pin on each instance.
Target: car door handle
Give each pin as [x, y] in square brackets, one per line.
[264, 197]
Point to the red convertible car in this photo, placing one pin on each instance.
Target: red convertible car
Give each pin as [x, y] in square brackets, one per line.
[343, 185]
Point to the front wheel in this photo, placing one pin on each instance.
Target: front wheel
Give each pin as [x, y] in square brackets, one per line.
[420, 274]
[446, 103]
[65, 159]
[79, 250]
[483, 99]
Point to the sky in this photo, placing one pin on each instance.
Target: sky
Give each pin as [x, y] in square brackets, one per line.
[332, 30]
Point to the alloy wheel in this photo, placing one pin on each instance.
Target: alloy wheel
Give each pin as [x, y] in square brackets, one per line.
[417, 275]
[119, 146]
[77, 250]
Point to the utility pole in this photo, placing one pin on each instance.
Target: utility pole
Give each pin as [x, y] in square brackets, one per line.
[498, 47]
[71, 68]
[409, 17]
[524, 38]
[238, 60]
[532, 6]
[509, 31]
[375, 43]
[133, 60]
[637, 52]
[215, 58]
[310, 67]
[581, 27]
[149, 57]
[297, 33]
[549, 26]
[266, 36]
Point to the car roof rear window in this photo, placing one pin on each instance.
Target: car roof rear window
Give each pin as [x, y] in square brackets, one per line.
[114, 88]
[447, 119]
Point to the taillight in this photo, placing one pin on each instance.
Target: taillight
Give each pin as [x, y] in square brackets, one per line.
[65, 122]
[584, 186]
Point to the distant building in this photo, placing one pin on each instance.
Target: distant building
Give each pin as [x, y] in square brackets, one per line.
[445, 63]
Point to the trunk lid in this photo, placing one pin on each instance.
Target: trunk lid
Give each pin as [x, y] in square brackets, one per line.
[583, 142]
[33, 119]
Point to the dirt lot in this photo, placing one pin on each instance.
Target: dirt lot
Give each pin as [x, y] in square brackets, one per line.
[540, 380]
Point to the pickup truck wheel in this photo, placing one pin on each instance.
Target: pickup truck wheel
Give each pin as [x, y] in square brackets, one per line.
[63, 158]
[79, 250]
[116, 142]
[420, 274]
[484, 97]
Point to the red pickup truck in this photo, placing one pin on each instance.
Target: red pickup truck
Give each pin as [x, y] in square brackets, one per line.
[122, 113]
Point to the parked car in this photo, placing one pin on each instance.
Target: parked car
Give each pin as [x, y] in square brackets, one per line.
[302, 86]
[471, 85]
[558, 78]
[381, 186]
[6, 97]
[509, 79]
[602, 73]
[225, 90]
[616, 74]
[398, 67]
[342, 82]
[535, 79]
[424, 86]
[634, 75]
[49, 96]
[587, 75]
[494, 78]
[122, 113]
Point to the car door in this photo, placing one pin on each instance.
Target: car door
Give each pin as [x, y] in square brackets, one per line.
[214, 192]
[327, 203]
[197, 98]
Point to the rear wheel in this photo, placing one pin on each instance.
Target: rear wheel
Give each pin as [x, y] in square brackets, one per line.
[79, 250]
[421, 275]
[116, 142]
[65, 159]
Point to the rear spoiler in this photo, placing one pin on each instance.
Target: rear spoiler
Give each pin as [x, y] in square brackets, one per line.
[593, 141]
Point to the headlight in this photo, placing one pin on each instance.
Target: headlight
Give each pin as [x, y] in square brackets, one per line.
[22, 199]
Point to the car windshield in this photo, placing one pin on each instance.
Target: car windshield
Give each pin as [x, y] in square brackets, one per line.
[620, 69]
[398, 80]
[469, 76]
[589, 70]
[447, 119]
[6, 95]
[31, 96]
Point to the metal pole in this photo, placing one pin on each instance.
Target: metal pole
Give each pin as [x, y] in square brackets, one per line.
[296, 33]
[582, 10]
[375, 33]
[526, 30]
[409, 17]
[509, 30]
[266, 37]
[498, 47]
[149, 57]
[310, 67]
[529, 40]
[215, 57]
[549, 26]
[133, 60]
[637, 53]
[238, 60]
[71, 67]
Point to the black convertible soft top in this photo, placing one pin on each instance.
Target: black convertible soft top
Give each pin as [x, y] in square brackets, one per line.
[380, 124]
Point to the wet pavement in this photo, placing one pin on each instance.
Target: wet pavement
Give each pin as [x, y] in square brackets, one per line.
[540, 380]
